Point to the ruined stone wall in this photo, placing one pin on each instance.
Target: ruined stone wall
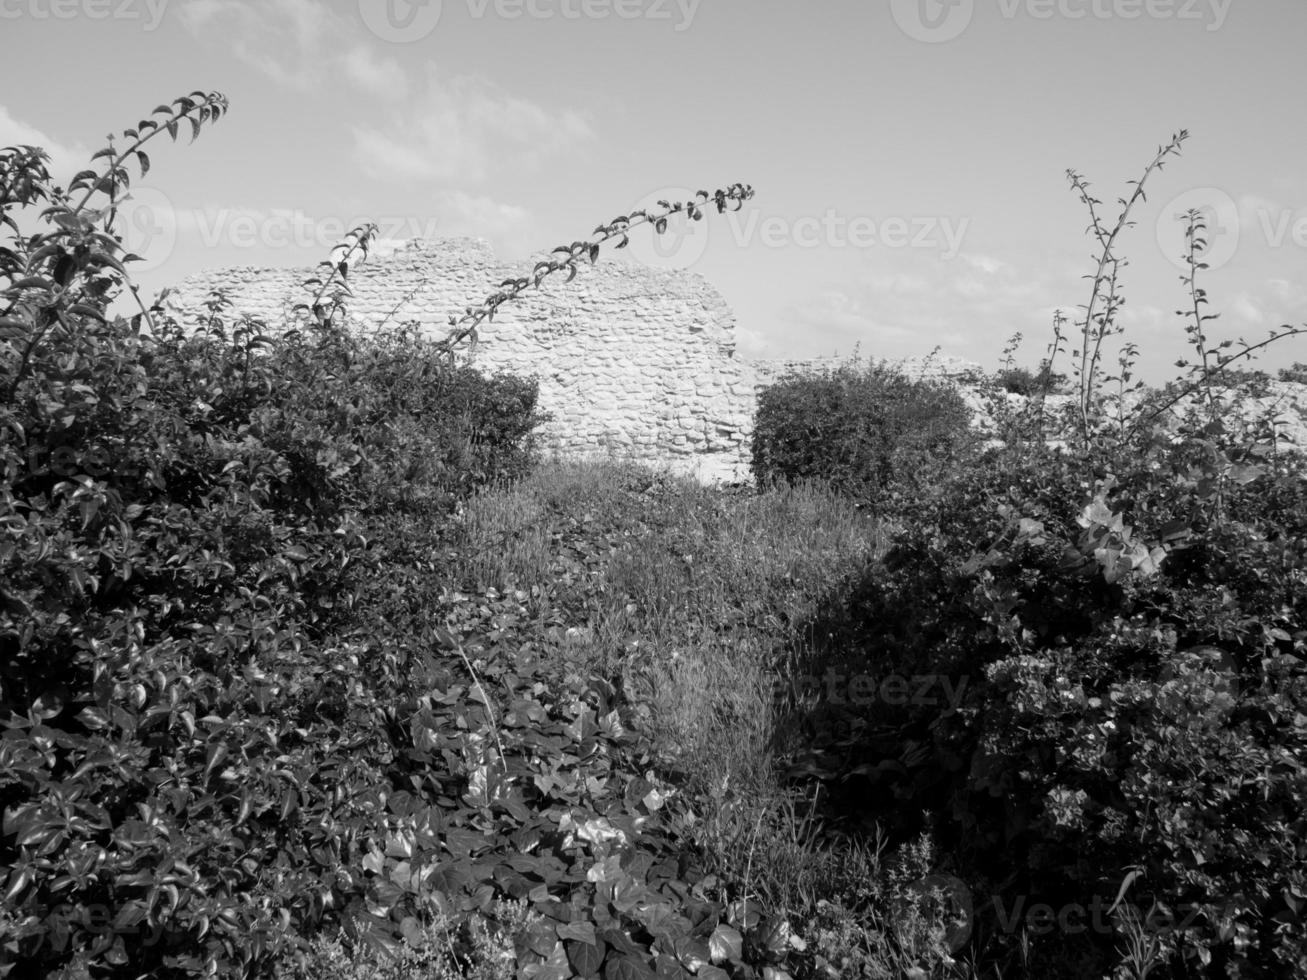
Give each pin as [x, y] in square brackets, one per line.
[632, 362]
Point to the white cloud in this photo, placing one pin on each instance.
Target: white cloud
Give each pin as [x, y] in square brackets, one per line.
[380, 76]
[64, 160]
[296, 43]
[464, 129]
[897, 282]
[914, 301]
[509, 228]
[1245, 311]
[1291, 294]
[986, 263]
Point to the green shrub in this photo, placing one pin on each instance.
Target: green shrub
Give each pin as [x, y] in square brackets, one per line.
[1023, 381]
[238, 710]
[1296, 373]
[1121, 705]
[197, 683]
[864, 430]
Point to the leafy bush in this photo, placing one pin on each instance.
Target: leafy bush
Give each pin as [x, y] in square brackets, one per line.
[1256, 384]
[1113, 642]
[862, 429]
[185, 548]
[1123, 704]
[1023, 381]
[237, 710]
[1296, 373]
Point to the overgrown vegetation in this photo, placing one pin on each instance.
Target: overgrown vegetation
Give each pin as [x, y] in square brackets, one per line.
[310, 669]
[1112, 751]
[863, 428]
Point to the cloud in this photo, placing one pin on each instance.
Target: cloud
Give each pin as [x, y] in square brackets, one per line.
[464, 129]
[1244, 310]
[987, 264]
[380, 76]
[65, 160]
[1289, 294]
[509, 228]
[293, 42]
[913, 301]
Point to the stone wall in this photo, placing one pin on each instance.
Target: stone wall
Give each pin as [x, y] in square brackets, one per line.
[632, 362]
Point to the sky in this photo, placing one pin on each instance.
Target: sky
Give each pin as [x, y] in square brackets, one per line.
[909, 157]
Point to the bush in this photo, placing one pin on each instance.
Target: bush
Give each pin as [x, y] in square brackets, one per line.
[1023, 381]
[867, 431]
[238, 711]
[1255, 384]
[1296, 373]
[205, 629]
[1130, 719]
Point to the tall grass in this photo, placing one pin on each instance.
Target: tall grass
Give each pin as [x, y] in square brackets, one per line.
[689, 596]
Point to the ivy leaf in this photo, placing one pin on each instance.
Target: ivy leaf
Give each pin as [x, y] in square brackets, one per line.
[628, 968]
[581, 932]
[585, 957]
[725, 943]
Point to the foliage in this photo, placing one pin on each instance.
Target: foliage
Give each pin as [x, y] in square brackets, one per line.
[1028, 383]
[236, 714]
[1124, 703]
[867, 430]
[1296, 373]
[1116, 719]
[307, 670]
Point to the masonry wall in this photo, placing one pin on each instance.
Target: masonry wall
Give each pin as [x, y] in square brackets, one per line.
[632, 362]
